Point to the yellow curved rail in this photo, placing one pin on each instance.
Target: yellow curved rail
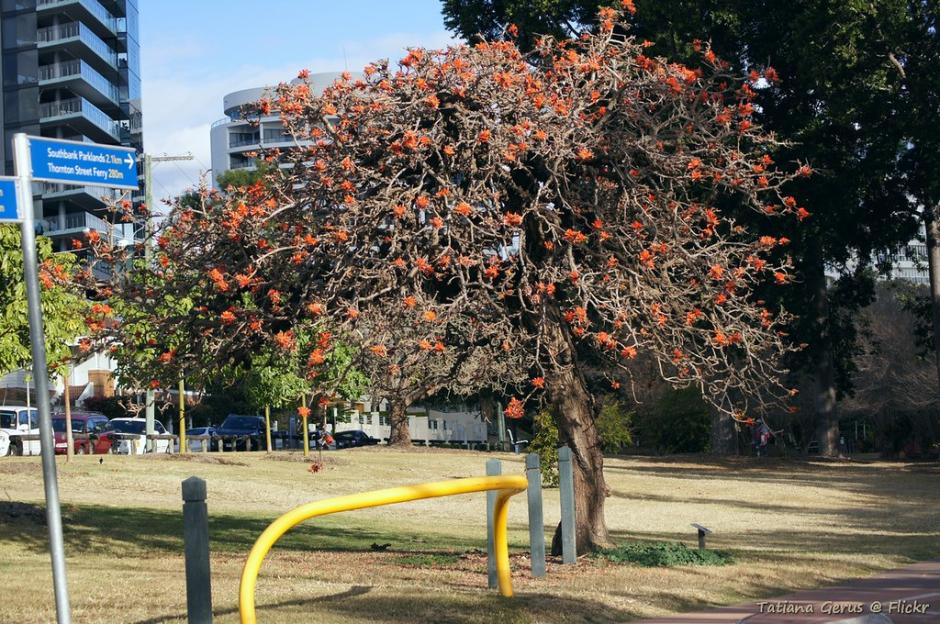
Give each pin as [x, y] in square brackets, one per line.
[507, 485]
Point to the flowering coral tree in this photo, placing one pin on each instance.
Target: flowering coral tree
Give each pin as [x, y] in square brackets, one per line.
[553, 210]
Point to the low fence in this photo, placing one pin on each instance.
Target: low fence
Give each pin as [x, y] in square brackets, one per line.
[498, 489]
[134, 441]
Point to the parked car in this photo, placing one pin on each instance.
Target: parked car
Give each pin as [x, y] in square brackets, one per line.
[350, 439]
[87, 428]
[236, 429]
[15, 421]
[136, 427]
[196, 445]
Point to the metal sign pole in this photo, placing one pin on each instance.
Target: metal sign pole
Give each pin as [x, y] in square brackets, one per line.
[23, 171]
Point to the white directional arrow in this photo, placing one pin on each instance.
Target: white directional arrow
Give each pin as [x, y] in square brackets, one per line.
[129, 161]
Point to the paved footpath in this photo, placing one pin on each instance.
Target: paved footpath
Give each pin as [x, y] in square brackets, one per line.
[910, 595]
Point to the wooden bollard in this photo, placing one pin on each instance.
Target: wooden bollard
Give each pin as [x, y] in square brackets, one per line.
[196, 545]
[536, 523]
[569, 553]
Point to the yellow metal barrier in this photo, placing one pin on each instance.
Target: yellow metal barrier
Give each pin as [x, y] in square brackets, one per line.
[507, 485]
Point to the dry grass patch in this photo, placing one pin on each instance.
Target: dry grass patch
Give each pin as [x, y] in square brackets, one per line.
[788, 525]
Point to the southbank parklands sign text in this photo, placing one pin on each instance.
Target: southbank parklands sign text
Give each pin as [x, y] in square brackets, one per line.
[71, 162]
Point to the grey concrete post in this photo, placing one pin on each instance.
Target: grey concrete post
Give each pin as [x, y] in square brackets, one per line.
[196, 544]
[569, 552]
[536, 523]
[493, 468]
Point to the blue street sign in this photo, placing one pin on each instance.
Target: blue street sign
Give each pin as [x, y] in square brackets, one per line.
[72, 162]
[8, 205]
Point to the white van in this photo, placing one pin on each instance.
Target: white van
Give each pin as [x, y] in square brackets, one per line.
[15, 422]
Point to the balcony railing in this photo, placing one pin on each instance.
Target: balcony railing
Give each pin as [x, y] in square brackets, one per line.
[278, 138]
[80, 106]
[239, 140]
[98, 192]
[77, 221]
[92, 6]
[83, 70]
[77, 30]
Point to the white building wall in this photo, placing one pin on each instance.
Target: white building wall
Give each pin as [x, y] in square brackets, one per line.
[432, 426]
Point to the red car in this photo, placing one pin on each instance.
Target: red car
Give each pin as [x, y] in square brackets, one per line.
[86, 433]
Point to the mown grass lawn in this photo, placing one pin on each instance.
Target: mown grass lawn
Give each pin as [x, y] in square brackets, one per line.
[788, 525]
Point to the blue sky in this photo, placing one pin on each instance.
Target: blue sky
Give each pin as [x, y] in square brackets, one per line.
[195, 51]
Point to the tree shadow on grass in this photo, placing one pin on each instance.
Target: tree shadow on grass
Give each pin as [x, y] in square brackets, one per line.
[863, 478]
[114, 530]
[355, 590]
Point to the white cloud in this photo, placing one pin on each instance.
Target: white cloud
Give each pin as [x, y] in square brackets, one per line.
[180, 104]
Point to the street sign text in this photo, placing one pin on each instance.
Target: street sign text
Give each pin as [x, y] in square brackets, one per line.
[70, 162]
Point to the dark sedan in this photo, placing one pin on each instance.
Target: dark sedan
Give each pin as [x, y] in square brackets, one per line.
[350, 439]
[236, 430]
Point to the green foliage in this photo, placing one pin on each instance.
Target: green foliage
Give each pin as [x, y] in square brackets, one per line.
[278, 378]
[429, 560]
[273, 381]
[221, 399]
[663, 554]
[244, 177]
[63, 311]
[545, 443]
[613, 425]
[109, 406]
[679, 422]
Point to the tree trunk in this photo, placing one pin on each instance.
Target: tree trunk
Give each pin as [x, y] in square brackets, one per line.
[932, 225]
[574, 414]
[723, 434]
[401, 434]
[824, 399]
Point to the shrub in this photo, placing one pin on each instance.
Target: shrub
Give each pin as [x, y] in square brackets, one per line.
[663, 554]
[545, 443]
[109, 406]
[613, 425]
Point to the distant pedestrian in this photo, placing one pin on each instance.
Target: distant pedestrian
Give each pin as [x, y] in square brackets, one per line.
[763, 434]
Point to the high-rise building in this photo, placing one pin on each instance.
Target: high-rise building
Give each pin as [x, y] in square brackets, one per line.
[71, 70]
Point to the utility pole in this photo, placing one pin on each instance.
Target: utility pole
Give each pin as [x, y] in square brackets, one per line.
[148, 161]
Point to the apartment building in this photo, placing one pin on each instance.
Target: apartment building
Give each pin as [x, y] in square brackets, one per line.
[71, 70]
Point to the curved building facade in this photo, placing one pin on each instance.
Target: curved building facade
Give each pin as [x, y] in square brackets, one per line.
[234, 136]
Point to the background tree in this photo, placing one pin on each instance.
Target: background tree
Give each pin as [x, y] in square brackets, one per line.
[835, 104]
[896, 386]
[412, 351]
[911, 41]
[63, 308]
